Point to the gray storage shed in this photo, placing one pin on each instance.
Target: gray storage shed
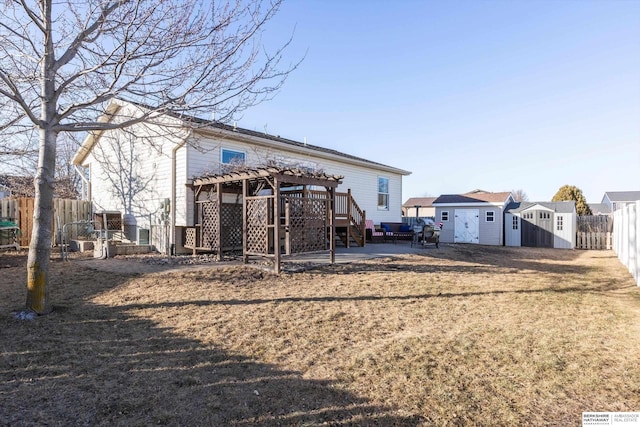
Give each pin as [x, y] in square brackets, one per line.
[541, 224]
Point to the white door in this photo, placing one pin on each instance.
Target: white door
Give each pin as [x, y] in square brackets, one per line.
[467, 226]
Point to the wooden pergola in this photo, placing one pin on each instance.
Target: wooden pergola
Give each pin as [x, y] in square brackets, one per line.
[265, 211]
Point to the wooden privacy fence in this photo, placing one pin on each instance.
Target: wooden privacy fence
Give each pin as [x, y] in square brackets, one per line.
[594, 232]
[594, 240]
[626, 243]
[65, 211]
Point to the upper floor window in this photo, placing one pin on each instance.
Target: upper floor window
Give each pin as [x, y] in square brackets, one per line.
[383, 193]
[444, 216]
[232, 157]
[490, 216]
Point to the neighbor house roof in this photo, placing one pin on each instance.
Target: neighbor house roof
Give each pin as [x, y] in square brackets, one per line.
[600, 208]
[622, 196]
[558, 207]
[233, 132]
[473, 197]
[423, 202]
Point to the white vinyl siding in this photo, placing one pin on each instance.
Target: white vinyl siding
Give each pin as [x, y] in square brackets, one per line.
[361, 180]
[490, 233]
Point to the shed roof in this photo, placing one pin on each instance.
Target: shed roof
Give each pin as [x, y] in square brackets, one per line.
[473, 197]
[557, 207]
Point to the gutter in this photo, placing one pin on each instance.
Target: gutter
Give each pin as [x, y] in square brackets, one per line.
[174, 153]
[85, 182]
[304, 149]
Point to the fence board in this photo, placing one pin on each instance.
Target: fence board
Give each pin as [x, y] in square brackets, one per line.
[65, 211]
[594, 240]
[627, 238]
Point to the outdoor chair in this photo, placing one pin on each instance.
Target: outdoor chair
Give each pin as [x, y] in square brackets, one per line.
[373, 234]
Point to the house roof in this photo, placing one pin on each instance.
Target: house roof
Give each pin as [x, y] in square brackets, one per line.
[599, 208]
[473, 197]
[558, 207]
[423, 202]
[622, 196]
[203, 126]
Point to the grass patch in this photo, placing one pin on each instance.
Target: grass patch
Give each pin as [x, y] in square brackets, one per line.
[462, 335]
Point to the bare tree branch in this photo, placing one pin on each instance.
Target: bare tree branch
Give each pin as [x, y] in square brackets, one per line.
[62, 61]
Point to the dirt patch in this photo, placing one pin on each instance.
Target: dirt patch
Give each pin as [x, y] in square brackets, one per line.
[463, 335]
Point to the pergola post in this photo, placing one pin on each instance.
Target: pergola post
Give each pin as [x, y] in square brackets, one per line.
[219, 220]
[245, 191]
[276, 226]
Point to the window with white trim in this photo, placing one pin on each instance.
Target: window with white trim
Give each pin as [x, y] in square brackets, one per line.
[444, 216]
[490, 216]
[229, 157]
[559, 223]
[383, 193]
[514, 223]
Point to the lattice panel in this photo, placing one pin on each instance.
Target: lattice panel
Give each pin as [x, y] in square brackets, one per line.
[210, 225]
[190, 238]
[257, 225]
[307, 225]
[231, 221]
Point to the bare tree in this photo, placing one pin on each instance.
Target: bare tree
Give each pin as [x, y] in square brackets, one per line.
[62, 61]
[519, 195]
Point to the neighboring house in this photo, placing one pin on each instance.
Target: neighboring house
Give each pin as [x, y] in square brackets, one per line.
[600, 209]
[619, 199]
[541, 224]
[474, 217]
[419, 207]
[147, 170]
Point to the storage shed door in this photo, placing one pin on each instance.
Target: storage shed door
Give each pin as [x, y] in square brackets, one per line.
[537, 229]
[467, 226]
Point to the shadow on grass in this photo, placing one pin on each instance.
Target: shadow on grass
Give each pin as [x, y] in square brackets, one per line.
[599, 288]
[476, 259]
[88, 364]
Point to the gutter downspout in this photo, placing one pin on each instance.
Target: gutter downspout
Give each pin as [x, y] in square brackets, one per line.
[174, 152]
[85, 183]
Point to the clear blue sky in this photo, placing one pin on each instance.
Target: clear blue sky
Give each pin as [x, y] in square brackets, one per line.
[497, 95]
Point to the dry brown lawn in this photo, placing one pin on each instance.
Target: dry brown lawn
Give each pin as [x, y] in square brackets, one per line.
[464, 335]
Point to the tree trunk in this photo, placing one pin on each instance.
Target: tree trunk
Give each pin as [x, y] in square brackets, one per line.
[40, 246]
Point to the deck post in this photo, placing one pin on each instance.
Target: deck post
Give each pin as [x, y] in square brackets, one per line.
[348, 217]
[332, 225]
[363, 228]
